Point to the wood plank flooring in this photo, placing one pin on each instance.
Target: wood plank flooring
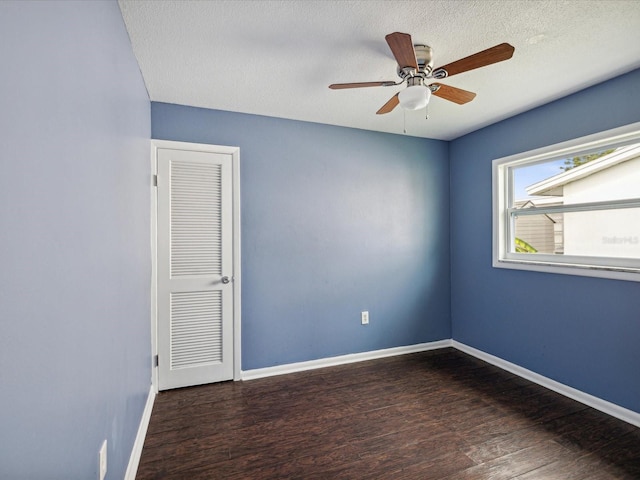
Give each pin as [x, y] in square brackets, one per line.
[434, 415]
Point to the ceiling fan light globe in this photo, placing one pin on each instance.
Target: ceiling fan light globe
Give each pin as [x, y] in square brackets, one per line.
[414, 97]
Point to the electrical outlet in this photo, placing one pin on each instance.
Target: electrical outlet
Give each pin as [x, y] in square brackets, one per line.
[102, 461]
[364, 318]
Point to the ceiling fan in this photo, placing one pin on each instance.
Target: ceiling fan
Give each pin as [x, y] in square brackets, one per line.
[415, 66]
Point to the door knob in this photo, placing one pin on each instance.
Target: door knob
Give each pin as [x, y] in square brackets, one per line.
[225, 279]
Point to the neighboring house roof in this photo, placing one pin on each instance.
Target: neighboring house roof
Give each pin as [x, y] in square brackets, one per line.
[554, 185]
[520, 204]
[537, 202]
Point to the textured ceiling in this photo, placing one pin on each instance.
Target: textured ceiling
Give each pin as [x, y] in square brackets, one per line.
[276, 58]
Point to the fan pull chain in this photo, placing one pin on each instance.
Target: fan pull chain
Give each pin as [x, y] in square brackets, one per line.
[404, 116]
[426, 114]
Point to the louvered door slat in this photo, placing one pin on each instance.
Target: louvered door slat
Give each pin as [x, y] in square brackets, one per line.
[196, 330]
[195, 215]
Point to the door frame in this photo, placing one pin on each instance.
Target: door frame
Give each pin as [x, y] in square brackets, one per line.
[237, 272]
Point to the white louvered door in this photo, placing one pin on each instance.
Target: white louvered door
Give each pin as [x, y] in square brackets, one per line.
[195, 268]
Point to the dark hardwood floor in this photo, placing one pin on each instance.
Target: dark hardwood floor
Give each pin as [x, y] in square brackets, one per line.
[432, 415]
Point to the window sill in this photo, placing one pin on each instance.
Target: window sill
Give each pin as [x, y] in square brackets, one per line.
[598, 271]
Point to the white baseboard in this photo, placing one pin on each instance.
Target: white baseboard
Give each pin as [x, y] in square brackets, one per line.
[136, 452]
[609, 408]
[341, 360]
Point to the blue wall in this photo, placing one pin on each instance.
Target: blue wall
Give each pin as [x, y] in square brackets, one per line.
[74, 230]
[334, 221]
[580, 331]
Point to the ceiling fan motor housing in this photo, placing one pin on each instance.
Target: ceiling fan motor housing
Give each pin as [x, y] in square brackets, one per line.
[412, 81]
[424, 57]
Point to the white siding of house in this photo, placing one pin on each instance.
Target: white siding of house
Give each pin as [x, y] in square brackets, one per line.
[537, 231]
[604, 233]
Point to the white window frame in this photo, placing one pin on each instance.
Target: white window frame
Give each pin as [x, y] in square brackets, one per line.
[502, 188]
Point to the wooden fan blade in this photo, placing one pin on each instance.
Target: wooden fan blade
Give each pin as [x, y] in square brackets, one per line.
[402, 48]
[496, 54]
[339, 86]
[453, 94]
[390, 105]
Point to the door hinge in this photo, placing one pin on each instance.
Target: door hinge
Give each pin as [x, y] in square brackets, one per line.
[155, 180]
[156, 361]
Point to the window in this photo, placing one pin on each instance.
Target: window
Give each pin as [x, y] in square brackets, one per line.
[571, 208]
